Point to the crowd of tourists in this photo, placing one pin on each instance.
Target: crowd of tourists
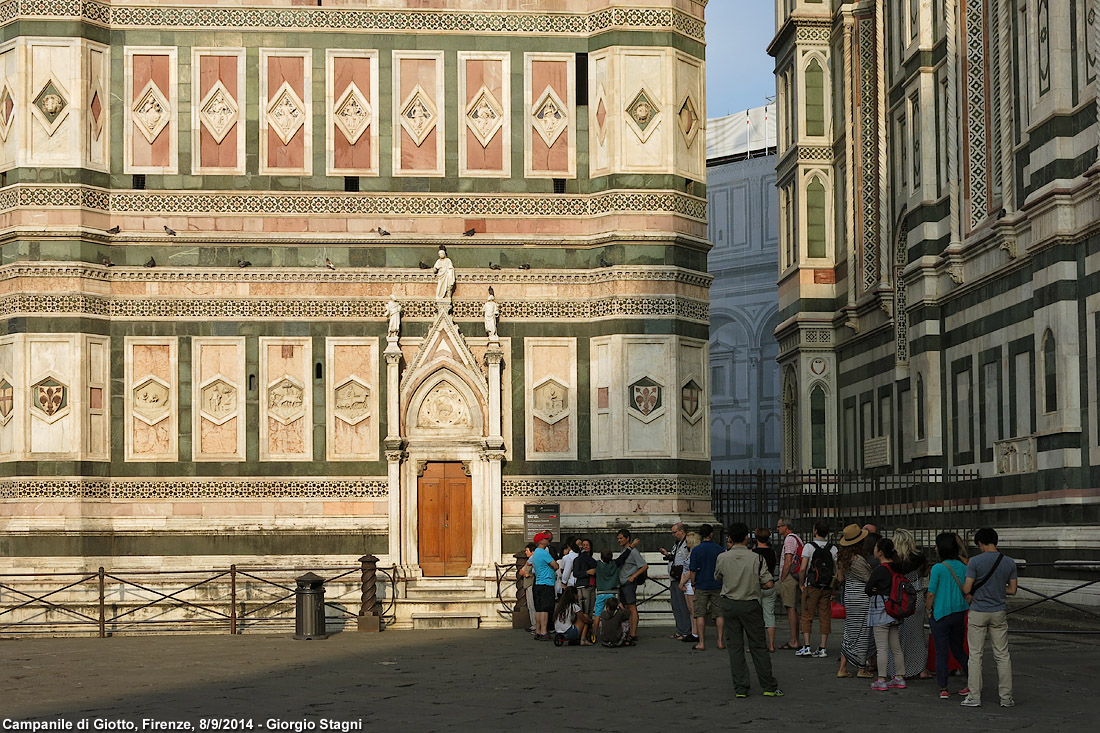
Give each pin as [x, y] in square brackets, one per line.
[884, 588]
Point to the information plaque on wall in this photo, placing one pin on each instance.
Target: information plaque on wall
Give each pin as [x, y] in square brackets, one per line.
[540, 518]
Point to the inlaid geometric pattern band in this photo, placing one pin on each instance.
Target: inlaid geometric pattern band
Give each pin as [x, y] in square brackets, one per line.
[332, 309]
[651, 273]
[85, 197]
[191, 488]
[607, 486]
[298, 18]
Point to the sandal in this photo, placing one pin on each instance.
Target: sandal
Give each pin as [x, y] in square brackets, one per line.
[865, 674]
[698, 649]
[629, 642]
[843, 675]
[788, 647]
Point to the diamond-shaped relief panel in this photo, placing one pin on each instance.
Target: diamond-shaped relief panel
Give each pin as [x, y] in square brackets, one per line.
[485, 116]
[50, 398]
[50, 106]
[551, 401]
[218, 401]
[218, 112]
[352, 113]
[151, 112]
[418, 115]
[688, 120]
[549, 117]
[643, 112]
[350, 403]
[285, 400]
[96, 112]
[286, 113]
[7, 110]
[150, 401]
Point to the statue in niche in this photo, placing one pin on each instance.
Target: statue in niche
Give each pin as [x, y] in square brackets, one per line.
[393, 312]
[444, 278]
[492, 311]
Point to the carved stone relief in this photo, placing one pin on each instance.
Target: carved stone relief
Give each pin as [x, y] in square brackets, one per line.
[150, 401]
[218, 401]
[550, 117]
[645, 398]
[286, 113]
[691, 401]
[51, 106]
[644, 114]
[7, 110]
[351, 401]
[218, 111]
[285, 400]
[7, 399]
[551, 401]
[151, 112]
[485, 116]
[50, 399]
[688, 119]
[418, 115]
[443, 408]
[353, 113]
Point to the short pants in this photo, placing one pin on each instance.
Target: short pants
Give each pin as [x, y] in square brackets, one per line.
[628, 594]
[601, 599]
[544, 599]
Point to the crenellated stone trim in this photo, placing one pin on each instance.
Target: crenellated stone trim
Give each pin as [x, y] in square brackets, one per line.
[350, 204]
[191, 488]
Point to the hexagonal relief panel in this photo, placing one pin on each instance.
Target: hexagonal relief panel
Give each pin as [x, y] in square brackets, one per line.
[645, 398]
[350, 401]
[50, 399]
[150, 400]
[551, 401]
[218, 401]
[7, 399]
[691, 401]
[285, 400]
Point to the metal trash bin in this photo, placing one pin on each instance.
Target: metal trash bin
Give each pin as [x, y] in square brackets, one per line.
[309, 607]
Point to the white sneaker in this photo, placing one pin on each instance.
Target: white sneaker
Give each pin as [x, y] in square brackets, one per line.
[820, 654]
[971, 702]
[1009, 703]
[804, 652]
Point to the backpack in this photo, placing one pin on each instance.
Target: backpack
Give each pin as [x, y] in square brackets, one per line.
[822, 569]
[902, 601]
[796, 562]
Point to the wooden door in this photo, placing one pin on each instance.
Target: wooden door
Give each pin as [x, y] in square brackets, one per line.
[445, 528]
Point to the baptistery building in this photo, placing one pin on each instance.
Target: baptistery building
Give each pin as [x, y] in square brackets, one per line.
[294, 282]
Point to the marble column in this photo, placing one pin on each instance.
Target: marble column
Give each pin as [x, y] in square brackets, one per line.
[494, 358]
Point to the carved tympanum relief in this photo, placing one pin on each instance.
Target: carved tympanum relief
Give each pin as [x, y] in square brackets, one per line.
[444, 407]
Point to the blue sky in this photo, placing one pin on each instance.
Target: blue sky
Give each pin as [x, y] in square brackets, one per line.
[739, 69]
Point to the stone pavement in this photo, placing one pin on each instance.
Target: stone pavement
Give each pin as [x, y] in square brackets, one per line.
[493, 680]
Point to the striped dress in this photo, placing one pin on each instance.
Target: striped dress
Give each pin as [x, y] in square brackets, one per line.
[859, 641]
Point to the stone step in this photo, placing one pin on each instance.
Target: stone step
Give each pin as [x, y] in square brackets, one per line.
[469, 620]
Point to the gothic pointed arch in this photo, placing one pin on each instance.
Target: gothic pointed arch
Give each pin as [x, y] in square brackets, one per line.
[790, 419]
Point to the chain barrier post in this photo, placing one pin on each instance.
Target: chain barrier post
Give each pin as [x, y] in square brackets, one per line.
[370, 614]
[521, 613]
[102, 609]
[233, 599]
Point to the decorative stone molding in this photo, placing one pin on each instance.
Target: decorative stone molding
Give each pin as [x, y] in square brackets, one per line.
[319, 204]
[223, 17]
[606, 486]
[205, 487]
[1015, 455]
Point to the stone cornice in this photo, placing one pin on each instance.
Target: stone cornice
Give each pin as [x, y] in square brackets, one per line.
[351, 204]
[397, 21]
[201, 487]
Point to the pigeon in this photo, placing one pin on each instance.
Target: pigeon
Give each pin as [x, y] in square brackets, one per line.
[525, 266]
[493, 265]
[329, 265]
[469, 232]
[424, 265]
[604, 263]
[169, 231]
[151, 263]
[491, 291]
[382, 232]
[244, 263]
[107, 262]
[114, 230]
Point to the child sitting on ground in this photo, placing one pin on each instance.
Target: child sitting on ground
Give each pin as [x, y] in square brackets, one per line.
[614, 623]
[570, 625]
[607, 585]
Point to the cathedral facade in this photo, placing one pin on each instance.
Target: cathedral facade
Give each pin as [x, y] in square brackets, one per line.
[938, 198]
[290, 283]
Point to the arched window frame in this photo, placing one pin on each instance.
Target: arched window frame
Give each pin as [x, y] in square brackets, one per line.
[1049, 351]
[825, 179]
[920, 408]
[824, 389]
[822, 58]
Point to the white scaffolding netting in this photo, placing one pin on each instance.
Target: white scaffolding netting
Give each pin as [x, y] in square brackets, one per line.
[741, 133]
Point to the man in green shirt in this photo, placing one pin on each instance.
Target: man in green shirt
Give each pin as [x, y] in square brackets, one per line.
[744, 575]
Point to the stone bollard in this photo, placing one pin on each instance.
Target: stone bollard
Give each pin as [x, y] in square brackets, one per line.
[370, 612]
[521, 614]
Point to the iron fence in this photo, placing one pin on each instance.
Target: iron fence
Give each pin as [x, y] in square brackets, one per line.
[111, 602]
[925, 503]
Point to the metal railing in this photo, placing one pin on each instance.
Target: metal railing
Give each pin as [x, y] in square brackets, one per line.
[112, 602]
[1057, 599]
